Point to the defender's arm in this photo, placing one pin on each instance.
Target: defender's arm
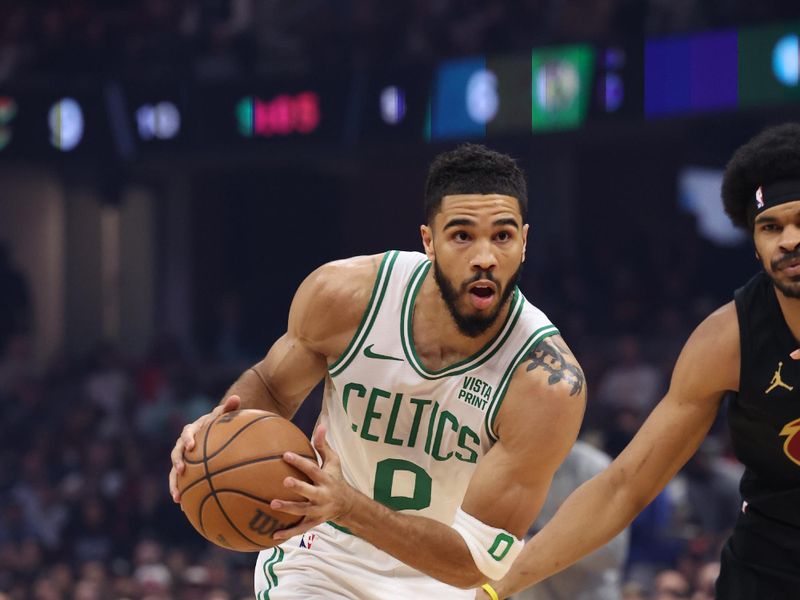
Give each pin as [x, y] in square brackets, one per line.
[602, 507]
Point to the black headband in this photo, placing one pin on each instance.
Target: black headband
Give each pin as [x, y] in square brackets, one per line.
[773, 194]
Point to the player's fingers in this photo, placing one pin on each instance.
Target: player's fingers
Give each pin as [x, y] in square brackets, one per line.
[318, 437]
[302, 527]
[796, 354]
[177, 456]
[301, 487]
[320, 443]
[187, 437]
[232, 403]
[293, 508]
[173, 485]
[309, 467]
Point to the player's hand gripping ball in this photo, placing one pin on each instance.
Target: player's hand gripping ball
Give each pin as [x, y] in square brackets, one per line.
[233, 472]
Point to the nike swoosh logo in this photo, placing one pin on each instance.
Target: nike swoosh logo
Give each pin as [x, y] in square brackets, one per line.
[370, 354]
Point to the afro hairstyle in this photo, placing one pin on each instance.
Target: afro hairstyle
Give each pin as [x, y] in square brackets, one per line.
[772, 155]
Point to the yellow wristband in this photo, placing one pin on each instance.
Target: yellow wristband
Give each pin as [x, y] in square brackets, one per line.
[490, 590]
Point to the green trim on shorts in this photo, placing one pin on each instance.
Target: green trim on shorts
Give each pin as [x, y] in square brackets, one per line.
[340, 528]
[269, 572]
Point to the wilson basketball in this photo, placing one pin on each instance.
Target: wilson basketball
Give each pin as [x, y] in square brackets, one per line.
[233, 472]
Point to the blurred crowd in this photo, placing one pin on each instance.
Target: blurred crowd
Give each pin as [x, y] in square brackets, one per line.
[85, 453]
[210, 39]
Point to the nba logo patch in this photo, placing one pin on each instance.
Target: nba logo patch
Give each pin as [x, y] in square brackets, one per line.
[760, 197]
[307, 539]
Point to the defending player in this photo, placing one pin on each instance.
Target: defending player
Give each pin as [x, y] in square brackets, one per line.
[449, 403]
[743, 347]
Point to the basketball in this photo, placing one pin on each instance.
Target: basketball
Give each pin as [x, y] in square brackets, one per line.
[233, 472]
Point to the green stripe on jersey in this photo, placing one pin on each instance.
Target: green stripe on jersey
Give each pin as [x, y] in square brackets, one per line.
[472, 362]
[369, 316]
[531, 343]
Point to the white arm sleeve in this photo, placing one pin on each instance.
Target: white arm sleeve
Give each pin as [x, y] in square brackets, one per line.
[492, 549]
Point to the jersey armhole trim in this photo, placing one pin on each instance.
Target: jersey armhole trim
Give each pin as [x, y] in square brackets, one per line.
[369, 316]
[531, 343]
[744, 338]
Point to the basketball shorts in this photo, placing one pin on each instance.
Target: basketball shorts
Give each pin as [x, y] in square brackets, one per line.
[329, 564]
[761, 561]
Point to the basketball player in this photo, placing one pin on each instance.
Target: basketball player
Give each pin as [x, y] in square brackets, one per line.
[744, 347]
[449, 403]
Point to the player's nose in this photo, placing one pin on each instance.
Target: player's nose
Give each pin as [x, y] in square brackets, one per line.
[790, 238]
[484, 258]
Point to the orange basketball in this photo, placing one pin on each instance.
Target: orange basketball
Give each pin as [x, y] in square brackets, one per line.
[233, 472]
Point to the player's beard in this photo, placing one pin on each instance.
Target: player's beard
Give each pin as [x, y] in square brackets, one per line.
[790, 288]
[475, 324]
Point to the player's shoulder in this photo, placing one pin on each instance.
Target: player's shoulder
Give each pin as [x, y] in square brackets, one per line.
[548, 383]
[718, 334]
[710, 359]
[549, 368]
[339, 280]
[330, 302]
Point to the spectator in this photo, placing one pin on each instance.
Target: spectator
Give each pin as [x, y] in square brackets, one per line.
[632, 382]
[599, 575]
[670, 585]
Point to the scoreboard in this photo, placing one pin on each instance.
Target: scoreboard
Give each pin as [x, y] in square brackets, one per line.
[550, 89]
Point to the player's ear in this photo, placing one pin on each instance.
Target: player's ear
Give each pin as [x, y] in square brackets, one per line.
[524, 240]
[427, 241]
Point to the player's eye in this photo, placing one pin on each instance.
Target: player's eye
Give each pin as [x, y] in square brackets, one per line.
[461, 236]
[503, 236]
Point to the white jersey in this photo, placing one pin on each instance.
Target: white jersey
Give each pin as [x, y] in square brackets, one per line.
[410, 437]
[407, 436]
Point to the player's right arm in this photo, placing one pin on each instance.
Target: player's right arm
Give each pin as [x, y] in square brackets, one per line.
[323, 316]
[602, 507]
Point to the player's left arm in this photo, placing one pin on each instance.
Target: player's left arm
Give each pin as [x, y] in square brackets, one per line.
[536, 426]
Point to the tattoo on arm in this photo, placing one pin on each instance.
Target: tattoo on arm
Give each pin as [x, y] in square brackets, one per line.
[554, 358]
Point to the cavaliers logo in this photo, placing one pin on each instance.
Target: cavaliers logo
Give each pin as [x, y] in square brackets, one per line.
[792, 444]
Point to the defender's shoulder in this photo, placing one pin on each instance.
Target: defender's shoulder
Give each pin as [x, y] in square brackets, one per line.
[718, 331]
[710, 359]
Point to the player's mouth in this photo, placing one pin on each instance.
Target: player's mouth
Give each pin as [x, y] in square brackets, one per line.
[790, 267]
[482, 293]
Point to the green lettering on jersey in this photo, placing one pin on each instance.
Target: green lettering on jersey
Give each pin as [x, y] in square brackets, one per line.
[429, 438]
[465, 433]
[360, 390]
[371, 414]
[388, 438]
[384, 483]
[445, 417]
[420, 407]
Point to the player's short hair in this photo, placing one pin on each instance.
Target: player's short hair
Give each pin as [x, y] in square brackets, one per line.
[473, 169]
[772, 155]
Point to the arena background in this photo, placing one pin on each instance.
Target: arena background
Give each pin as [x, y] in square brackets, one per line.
[170, 171]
